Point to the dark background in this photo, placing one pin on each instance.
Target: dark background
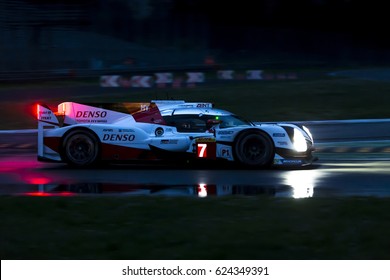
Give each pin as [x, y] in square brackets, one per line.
[327, 31]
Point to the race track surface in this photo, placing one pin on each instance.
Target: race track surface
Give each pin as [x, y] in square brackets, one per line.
[334, 175]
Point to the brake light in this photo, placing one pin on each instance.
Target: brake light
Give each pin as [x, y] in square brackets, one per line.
[38, 110]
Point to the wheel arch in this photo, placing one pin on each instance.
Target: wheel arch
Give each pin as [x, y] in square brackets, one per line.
[248, 131]
[254, 130]
[81, 129]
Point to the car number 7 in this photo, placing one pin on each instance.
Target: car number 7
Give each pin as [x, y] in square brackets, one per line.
[202, 152]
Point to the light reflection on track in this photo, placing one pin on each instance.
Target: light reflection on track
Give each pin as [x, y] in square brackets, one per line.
[101, 189]
[21, 173]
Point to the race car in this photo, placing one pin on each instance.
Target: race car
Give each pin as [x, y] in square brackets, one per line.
[83, 135]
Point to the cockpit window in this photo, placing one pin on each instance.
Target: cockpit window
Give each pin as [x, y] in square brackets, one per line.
[231, 121]
[201, 123]
[187, 123]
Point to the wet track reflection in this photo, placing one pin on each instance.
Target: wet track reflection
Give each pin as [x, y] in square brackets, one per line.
[199, 190]
[21, 174]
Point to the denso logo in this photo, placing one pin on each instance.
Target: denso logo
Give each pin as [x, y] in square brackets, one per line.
[118, 137]
[91, 114]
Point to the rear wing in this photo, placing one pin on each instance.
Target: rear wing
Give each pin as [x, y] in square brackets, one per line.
[46, 116]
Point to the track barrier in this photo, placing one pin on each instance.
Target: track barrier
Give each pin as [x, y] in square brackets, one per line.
[163, 79]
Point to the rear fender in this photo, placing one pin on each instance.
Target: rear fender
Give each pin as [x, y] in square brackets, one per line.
[79, 129]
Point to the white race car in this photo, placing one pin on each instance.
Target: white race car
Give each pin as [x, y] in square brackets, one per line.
[85, 134]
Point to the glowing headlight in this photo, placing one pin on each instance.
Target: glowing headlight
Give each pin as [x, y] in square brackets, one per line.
[299, 141]
[308, 132]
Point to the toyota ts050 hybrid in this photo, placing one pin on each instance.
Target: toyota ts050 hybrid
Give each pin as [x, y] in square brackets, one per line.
[85, 134]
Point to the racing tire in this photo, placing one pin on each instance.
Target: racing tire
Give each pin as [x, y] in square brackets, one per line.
[254, 149]
[80, 148]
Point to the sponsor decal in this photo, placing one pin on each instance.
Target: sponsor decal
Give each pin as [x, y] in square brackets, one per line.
[118, 137]
[291, 161]
[169, 141]
[279, 134]
[90, 121]
[282, 143]
[288, 161]
[108, 130]
[222, 132]
[203, 105]
[91, 114]
[45, 115]
[205, 140]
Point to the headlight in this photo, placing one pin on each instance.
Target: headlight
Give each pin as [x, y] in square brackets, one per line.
[308, 132]
[299, 141]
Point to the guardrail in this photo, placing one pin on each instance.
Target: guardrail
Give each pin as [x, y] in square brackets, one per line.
[126, 70]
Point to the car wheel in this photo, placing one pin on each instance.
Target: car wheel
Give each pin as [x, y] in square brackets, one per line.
[81, 148]
[254, 149]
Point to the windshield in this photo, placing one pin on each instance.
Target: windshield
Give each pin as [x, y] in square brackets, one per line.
[231, 121]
